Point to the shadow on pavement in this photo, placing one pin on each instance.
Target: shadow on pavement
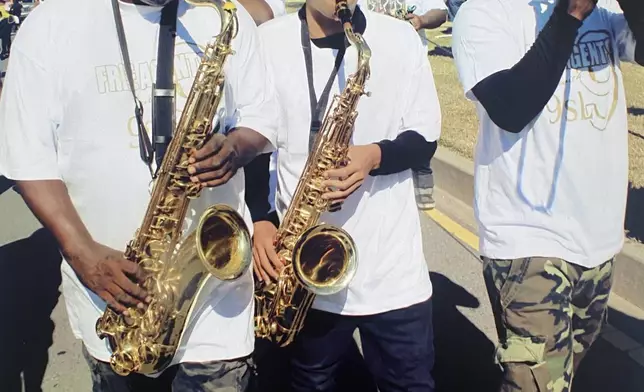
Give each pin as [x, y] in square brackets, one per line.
[29, 281]
[631, 326]
[464, 355]
[606, 368]
[634, 212]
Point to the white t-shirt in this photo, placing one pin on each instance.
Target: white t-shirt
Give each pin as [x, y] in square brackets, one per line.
[422, 7]
[558, 188]
[67, 113]
[381, 216]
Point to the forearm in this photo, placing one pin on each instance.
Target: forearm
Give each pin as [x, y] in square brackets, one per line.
[247, 144]
[503, 94]
[634, 14]
[52, 206]
[433, 19]
[409, 150]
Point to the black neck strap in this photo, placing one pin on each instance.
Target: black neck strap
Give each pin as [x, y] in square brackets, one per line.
[163, 90]
[317, 107]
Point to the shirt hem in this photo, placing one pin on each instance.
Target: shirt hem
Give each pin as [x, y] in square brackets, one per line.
[401, 304]
[598, 258]
[30, 175]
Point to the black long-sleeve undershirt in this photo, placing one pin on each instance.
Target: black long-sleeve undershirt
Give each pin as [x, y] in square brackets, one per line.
[257, 177]
[409, 150]
[514, 97]
[634, 14]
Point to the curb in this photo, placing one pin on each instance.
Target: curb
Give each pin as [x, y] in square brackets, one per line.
[455, 175]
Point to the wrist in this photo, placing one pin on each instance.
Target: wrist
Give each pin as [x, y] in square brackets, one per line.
[269, 218]
[76, 249]
[423, 22]
[376, 156]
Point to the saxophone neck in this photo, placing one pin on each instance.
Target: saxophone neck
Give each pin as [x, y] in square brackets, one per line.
[345, 15]
[227, 12]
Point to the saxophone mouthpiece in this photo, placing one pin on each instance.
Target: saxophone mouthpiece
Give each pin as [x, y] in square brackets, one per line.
[342, 11]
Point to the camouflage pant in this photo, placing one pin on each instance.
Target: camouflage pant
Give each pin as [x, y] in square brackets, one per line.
[217, 376]
[548, 312]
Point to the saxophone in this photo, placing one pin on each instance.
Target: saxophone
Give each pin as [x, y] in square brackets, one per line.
[145, 341]
[319, 259]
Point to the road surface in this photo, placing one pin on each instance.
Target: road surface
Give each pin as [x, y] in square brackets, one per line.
[39, 349]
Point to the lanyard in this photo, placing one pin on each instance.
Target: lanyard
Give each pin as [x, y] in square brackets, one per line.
[163, 89]
[317, 107]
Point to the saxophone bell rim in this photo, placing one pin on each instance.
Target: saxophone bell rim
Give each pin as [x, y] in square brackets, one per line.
[347, 245]
[243, 250]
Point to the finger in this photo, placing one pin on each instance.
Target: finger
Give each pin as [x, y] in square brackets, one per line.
[342, 172]
[258, 275]
[221, 180]
[256, 265]
[133, 270]
[343, 185]
[265, 277]
[130, 287]
[337, 184]
[273, 257]
[213, 173]
[111, 302]
[266, 265]
[122, 297]
[342, 195]
[212, 146]
[214, 162]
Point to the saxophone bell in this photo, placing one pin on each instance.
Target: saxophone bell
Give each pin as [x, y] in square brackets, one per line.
[325, 259]
[223, 242]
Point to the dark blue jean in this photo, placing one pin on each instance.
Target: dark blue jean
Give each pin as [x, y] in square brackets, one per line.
[452, 7]
[397, 346]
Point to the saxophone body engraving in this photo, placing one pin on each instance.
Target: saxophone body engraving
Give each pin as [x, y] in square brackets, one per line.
[177, 267]
[320, 259]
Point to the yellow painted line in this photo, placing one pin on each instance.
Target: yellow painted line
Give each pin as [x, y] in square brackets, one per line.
[454, 228]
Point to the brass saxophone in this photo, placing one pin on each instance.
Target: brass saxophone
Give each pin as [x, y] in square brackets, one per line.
[319, 259]
[145, 341]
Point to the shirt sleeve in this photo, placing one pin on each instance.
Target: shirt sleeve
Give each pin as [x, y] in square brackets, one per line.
[256, 104]
[481, 45]
[28, 120]
[421, 111]
[624, 37]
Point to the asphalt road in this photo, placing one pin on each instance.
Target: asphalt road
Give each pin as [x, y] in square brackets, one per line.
[38, 347]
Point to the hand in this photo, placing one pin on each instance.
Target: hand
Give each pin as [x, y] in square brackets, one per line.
[361, 161]
[579, 9]
[415, 20]
[215, 163]
[110, 276]
[266, 263]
